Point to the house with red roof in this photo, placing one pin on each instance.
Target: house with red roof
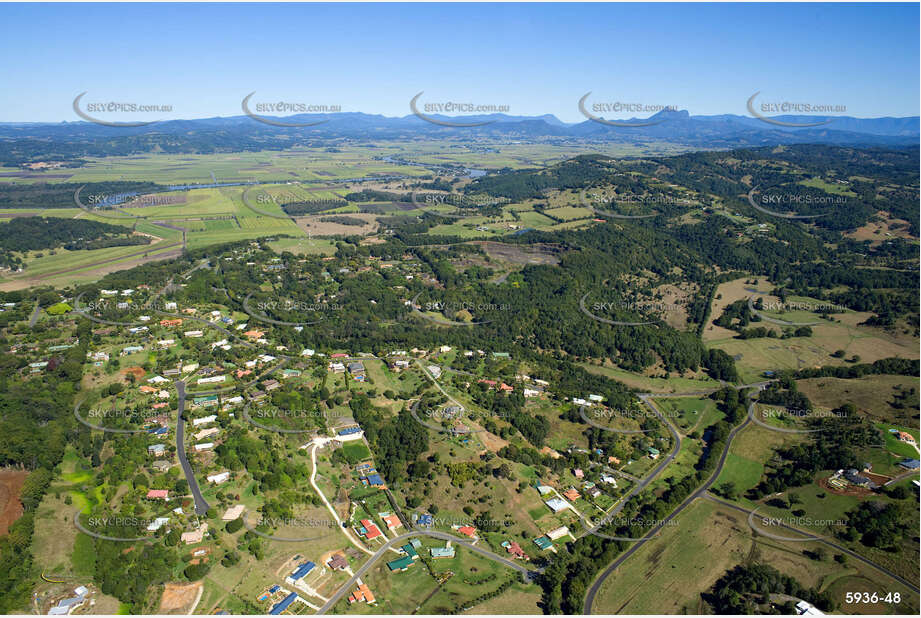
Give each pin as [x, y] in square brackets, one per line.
[393, 522]
[371, 531]
[158, 494]
[468, 531]
[571, 493]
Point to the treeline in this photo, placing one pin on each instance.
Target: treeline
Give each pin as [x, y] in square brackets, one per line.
[396, 442]
[61, 195]
[343, 220]
[36, 233]
[36, 417]
[310, 207]
[835, 447]
[885, 366]
[747, 589]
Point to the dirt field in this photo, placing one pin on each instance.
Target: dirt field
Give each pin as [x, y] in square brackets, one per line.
[315, 227]
[10, 508]
[530, 254]
[179, 598]
[870, 394]
[877, 232]
[726, 294]
[137, 371]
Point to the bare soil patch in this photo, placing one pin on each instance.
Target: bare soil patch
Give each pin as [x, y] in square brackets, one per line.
[11, 481]
[178, 598]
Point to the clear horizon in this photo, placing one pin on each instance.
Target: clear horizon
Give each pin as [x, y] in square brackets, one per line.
[708, 59]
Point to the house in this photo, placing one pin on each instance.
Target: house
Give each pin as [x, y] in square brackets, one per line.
[233, 512]
[393, 522]
[529, 392]
[373, 480]
[205, 433]
[363, 593]
[369, 529]
[337, 562]
[435, 370]
[68, 605]
[610, 480]
[158, 431]
[442, 552]
[909, 464]
[193, 333]
[543, 543]
[282, 605]
[400, 564]
[468, 531]
[254, 334]
[212, 379]
[653, 452]
[544, 490]
[308, 352]
[170, 306]
[190, 367]
[578, 473]
[204, 446]
[171, 322]
[299, 573]
[271, 385]
[166, 343]
[195, 536]
[571, 494]
[290, 373]
[337, 367]
[207, 401]
[556, 505]
[515, 549]
[807, 609]
[592, 492]
[157, 380]
[204, 420]
[161, 465]
[158, 494]
[156, 449]
[904, 436]
[219, 478]
[581, 402]
[157, 523]
[596, 398]
[558, 533]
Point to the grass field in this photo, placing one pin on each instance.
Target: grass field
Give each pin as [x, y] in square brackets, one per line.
[650, 384]
[668, 573]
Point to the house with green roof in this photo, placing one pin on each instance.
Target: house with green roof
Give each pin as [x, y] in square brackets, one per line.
[400, 564]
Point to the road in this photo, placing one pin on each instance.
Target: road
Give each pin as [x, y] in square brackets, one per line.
[822, 540]
[701, 492]
[201, 505]
[313, 483]
[596, 586]
[643, 483]
[444, 536]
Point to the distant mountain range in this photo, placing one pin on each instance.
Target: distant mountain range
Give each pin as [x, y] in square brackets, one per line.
[670, 127]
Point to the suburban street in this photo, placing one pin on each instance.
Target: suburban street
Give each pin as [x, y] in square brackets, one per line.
[201, 505]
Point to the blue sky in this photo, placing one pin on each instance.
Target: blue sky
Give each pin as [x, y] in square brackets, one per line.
[539, 58]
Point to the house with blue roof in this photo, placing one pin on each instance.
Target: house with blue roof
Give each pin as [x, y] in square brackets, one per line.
[300, 572]
[283, 604]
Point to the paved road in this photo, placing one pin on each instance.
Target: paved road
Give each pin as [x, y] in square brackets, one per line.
[35, 313]
[444, 536]
[822, 540]
[701, 492]
[201, 505]
[642, 484]
[596, 586]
